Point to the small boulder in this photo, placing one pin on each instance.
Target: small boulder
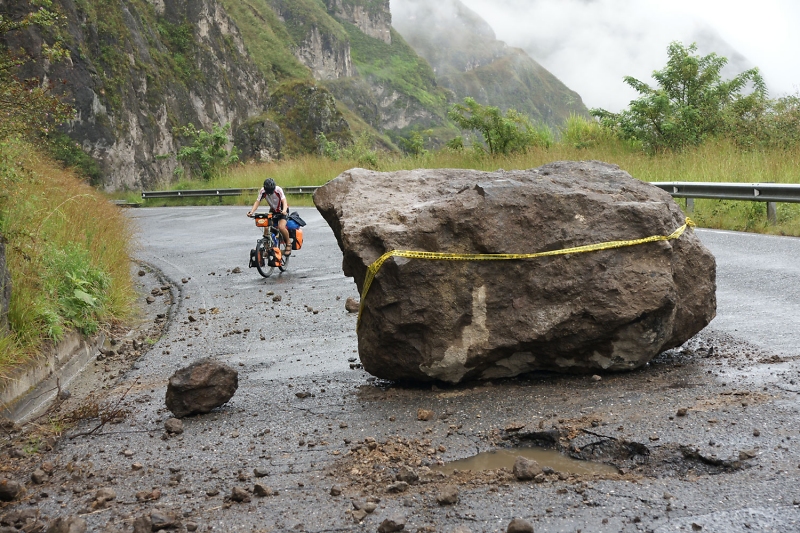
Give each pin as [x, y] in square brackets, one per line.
[201, 387]
[407, 474]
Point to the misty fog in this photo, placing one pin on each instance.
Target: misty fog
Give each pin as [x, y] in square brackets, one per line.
[590, 45]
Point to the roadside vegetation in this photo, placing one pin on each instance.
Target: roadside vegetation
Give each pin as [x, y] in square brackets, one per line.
[67, 247]
[693, 126]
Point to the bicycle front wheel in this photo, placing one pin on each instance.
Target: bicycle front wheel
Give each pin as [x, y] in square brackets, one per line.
[261, 260]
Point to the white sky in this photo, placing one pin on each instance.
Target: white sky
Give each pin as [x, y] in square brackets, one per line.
[591, 44]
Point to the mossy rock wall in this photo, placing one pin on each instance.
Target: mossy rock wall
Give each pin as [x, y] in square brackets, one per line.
[303, 110]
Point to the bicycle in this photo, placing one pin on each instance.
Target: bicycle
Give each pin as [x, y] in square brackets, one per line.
[270, 249]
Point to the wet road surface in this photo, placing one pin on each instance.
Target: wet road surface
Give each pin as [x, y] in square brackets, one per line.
[706, 436]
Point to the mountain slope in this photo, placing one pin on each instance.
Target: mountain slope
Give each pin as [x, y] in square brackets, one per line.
[469, 60]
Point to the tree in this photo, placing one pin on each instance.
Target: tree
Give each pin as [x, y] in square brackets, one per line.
[207, 154]
[27, 106]
[512, 132]
[689, 104]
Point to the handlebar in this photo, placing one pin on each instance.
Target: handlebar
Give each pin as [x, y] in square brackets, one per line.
[259, 215]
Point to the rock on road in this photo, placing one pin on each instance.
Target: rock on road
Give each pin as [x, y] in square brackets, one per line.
[706, 436]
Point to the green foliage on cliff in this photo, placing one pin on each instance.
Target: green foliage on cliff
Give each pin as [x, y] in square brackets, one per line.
[269, 41]
[398, 66]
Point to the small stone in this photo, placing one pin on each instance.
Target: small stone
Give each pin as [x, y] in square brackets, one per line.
[69, 524]
[425, 415]
[447, 496]
[597, 378]
[390, 525]
[173, 426]
[682, 411]
[105, 494]
[141, 273]
[262, 490]
[240, 495]
[400, 486]
[191, 526]
[654, 438]
[150, 299]
[359, 515]
[370, 507]
[163, 520]
[260, 472]
[526, 469]
[336, 490]
[747, 454]
[407, 474]
[277, 298]
[756, 433]
[9, 490]
[38, 476]
[137, 466]
[236, 270]
[352, 305]
[185, 280]
[518, 525]
[696, 526]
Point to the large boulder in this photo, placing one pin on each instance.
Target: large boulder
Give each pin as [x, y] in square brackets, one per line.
[200, 387]
[426, 320]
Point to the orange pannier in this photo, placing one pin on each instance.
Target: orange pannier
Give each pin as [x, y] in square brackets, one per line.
[297, 238]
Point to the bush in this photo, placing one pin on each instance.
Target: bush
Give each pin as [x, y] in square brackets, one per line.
[502, 134]
[207, 154]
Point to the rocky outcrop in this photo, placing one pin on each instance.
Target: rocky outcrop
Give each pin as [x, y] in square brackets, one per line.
[373, 18]
[5, 287]
[304, 110]
[136, 71]
[259, 139]
[328, 58]
[428, 320]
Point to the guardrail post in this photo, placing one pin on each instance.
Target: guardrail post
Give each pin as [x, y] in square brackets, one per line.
[772, 213]
[690, 205]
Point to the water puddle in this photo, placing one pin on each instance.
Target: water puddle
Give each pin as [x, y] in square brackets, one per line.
[546, 458]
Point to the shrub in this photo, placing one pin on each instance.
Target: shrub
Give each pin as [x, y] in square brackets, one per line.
[207, 154]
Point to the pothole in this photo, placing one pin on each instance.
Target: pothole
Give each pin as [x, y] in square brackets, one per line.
[546, 458]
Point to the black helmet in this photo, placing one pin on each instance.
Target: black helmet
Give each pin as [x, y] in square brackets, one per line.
[269, 185]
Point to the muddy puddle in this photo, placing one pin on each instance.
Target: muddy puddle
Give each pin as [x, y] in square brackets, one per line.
[546, 458]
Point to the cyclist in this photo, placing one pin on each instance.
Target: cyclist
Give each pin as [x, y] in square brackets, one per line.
[278, 206]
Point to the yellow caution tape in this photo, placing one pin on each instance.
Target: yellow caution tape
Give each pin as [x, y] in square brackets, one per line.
[373, 269]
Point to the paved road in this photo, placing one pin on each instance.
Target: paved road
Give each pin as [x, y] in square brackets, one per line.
[730, 465]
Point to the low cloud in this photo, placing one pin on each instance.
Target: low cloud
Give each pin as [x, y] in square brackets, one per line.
[592, 44]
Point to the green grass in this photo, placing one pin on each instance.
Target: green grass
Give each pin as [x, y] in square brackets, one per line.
[67, 250]
[712, 162]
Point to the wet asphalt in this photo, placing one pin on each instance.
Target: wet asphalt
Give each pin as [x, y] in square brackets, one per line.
[304, 413]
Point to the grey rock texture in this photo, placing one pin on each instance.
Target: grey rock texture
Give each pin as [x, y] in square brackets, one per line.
[200, 387]
[427, 320]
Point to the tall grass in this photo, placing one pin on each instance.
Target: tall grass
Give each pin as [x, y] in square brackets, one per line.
[67, 251]
[716, 161]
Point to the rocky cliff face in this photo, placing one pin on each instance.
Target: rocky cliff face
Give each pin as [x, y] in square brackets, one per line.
[139, 69]
[372, 17]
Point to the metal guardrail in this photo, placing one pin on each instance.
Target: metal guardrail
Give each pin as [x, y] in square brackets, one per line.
[771, 193]
[220, 192]
[758, 192]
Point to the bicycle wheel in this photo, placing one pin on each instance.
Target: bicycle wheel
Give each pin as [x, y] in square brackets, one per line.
[261, 259]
